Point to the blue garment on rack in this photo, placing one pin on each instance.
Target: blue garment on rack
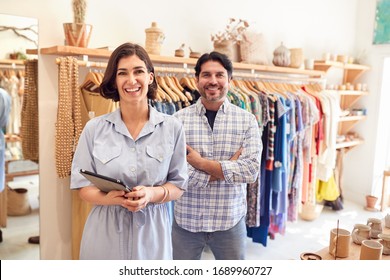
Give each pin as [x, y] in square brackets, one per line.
[260, 234]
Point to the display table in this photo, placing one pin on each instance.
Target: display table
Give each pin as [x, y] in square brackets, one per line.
[354, 251]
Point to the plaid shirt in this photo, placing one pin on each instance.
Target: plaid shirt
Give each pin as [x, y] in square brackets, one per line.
[218, 205]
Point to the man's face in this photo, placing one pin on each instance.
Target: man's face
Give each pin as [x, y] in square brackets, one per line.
[213, 82]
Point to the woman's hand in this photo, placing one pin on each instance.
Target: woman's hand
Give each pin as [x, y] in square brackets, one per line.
[93, 195]
[138, 198]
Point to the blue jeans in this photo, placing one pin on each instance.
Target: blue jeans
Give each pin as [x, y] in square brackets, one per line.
[225, 245]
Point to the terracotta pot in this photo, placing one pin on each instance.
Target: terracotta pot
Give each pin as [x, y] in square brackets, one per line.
[371, 201]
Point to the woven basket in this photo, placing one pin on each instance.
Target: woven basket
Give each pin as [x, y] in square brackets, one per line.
[154, 39]
[310, 212]
[296, 58]
[229, 48]
[18, 203]
[253, 49]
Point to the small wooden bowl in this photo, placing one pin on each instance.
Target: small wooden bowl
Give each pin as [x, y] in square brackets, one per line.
[179, 53]
[310, 257]
[194, 54]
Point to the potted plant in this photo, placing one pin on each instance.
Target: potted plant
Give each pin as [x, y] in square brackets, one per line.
[78, 32]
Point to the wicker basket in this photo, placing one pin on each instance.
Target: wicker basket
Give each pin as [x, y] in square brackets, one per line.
[18, 203]
[229, 48]
[154, 39]
[310, 212]
[296, 58]
[253, 49]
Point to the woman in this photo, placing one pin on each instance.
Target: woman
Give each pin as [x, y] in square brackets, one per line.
[143, 148]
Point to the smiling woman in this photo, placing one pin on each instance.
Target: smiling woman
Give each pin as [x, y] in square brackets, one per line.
[18, 78]
[147, 153]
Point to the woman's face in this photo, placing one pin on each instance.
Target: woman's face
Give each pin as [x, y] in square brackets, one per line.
[132, 79]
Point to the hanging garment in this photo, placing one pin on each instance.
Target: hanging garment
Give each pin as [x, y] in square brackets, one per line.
[5, 108]
[327, 190]
[68, 126]
[29, 118]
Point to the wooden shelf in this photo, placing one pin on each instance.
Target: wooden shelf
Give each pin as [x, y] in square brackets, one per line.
[10, 176]
[105, 54]
[349, 97]
[347, 101]
[32, 51]
[347, 123]
[353, 92]
[324, 65]
[349, 144]
[351, 71]
[352, 118]
[76, 51]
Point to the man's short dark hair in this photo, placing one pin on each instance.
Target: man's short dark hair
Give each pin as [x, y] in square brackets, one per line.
[215, 56]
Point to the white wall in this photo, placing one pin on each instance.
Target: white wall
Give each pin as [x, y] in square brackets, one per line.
[365, 164]
[317, 26]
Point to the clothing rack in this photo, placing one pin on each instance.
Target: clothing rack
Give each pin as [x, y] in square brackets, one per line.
[278, 78]
[185, 70]
[157, 69]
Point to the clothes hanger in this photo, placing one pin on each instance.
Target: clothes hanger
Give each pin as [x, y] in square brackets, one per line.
[91, 82]
[250, 86]
[185, 81]
[177, 82]
[166, 89]
[158, 97]
[278, 88]
[99, 76]
[161, 93]
[174, 88]
[193, 82]
[266, 89]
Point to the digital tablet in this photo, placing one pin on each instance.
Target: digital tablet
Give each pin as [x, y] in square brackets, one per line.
[105, 183]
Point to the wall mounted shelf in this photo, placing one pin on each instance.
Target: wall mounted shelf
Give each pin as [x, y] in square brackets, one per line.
[105, 54]
[348, 98]
[349, 144]
[347, 123]
[351, 71]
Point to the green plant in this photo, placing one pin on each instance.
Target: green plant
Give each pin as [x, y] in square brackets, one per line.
[18, 55]
[79, 10]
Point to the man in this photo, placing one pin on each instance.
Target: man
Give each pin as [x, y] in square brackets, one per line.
[223, 154]
[5, 108]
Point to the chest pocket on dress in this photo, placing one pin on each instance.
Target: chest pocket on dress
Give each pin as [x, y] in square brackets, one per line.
[158, 153]
[106, 154]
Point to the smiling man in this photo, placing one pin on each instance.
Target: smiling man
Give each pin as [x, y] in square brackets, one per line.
[223, 154]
